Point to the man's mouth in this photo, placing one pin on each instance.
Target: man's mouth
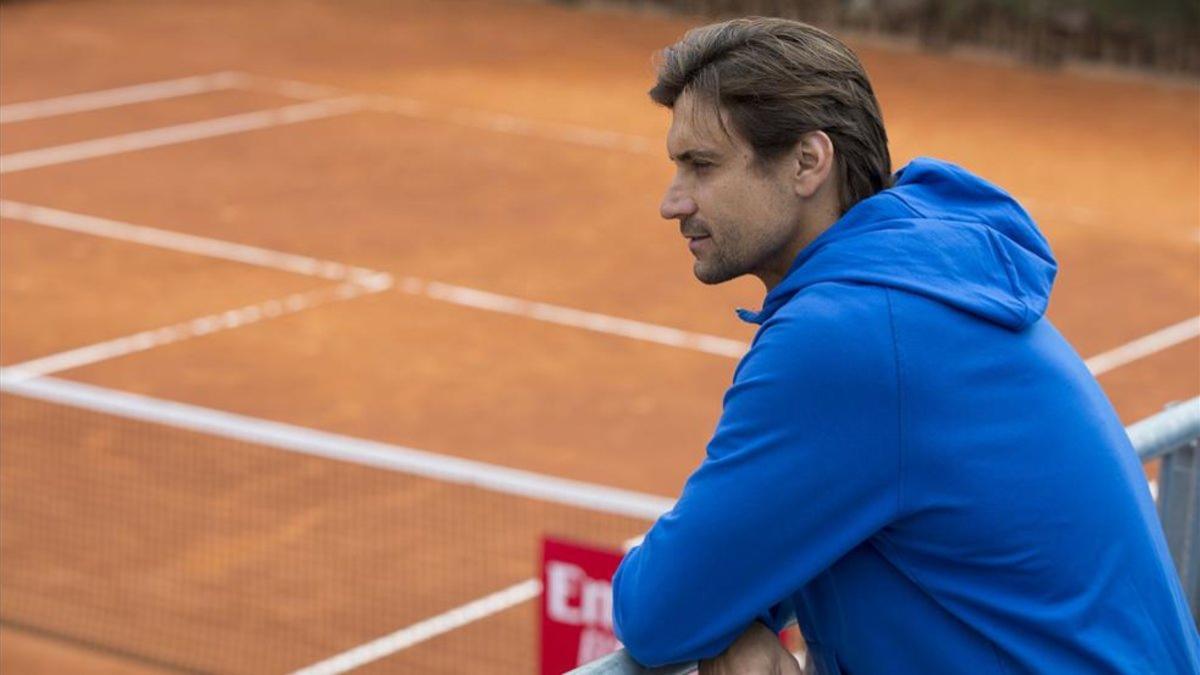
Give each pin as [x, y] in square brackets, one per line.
[695, 243]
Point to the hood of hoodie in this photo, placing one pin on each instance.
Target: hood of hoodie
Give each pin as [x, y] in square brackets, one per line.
[940, 232]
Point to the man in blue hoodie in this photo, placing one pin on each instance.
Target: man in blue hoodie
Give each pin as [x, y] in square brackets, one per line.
[911, 460]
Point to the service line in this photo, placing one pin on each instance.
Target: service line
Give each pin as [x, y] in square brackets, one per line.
[185, 330]
[111, 98]
[1144, 346]
[178, 133]
[575, 134]
[180, 241]
[428, 629]
[435, 290]
[577, 318]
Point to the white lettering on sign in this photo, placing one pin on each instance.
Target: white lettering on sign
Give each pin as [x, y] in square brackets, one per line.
[574, 599]
[597, 603]
[562, 582]
[594, 643]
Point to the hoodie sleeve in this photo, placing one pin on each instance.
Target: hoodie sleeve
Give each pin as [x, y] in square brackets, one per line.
[804, 465]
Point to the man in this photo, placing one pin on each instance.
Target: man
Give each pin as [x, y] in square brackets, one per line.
[911, 460]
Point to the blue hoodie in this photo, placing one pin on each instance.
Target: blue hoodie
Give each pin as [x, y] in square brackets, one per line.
[915, 463]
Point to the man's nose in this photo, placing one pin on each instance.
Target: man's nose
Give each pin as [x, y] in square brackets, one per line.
[676, 203]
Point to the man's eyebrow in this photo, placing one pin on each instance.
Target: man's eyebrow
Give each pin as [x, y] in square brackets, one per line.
[692, 155]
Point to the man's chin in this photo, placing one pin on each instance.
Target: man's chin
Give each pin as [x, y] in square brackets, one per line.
[710, 276]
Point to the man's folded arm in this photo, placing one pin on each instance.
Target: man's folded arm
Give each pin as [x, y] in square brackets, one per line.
[804, 466]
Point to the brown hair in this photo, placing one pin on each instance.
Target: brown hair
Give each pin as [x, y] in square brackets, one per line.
[778, 79]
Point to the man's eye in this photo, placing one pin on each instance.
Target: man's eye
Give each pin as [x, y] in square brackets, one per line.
[701, 165]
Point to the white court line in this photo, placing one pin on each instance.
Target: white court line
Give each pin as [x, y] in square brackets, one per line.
[427, 629]
[401, 459]
[306, 91]
[469, 117]
[185, 330]
[485, 300]
[459, 295]
[576, 318]
[111, 98]
[178, 133]
[509, 124]
[178, 241]
[1145, 346]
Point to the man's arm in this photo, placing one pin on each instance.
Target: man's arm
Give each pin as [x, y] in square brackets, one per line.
[804, 466]
[757, 652]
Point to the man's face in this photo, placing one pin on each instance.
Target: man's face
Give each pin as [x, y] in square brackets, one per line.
[739, 217]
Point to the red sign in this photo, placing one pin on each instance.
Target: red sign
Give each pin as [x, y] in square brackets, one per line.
[577, 625]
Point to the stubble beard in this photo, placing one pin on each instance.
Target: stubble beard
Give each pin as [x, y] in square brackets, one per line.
[717, 265]
[716, 268]
[733, 257]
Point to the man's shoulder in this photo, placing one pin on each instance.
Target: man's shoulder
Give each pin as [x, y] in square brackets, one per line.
[832, 306]
[834, 326]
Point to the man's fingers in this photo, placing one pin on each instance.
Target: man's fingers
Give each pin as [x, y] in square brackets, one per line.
[756, 652]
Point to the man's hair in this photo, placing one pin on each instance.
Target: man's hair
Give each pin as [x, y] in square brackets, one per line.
[778, 79]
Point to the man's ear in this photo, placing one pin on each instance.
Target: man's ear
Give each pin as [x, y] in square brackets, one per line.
[813, 162]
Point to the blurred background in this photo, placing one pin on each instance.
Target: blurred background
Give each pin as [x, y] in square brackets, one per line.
[316, 316]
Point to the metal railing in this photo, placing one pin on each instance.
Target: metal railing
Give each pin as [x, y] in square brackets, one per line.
[1172, 435]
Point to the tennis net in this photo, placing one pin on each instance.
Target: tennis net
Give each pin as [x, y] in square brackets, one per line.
[192, 551]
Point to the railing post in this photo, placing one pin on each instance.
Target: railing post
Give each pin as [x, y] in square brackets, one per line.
[1179, 511]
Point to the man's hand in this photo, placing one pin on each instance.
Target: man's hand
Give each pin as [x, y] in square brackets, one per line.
[756, 652]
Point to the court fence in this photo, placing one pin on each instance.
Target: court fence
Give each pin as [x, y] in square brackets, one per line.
[1156, 35]
[1172, 436]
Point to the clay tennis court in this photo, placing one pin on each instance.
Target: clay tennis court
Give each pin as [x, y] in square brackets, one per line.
[452, 209]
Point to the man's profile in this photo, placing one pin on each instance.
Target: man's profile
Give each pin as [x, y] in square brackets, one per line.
[911, 460]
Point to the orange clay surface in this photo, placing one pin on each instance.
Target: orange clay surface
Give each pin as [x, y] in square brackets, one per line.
[136, 549]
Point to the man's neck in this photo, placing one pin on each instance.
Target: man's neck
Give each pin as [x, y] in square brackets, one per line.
[806, 233]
